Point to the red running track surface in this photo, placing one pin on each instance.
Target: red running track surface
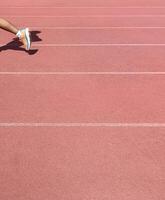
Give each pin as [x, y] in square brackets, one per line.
[82, 115]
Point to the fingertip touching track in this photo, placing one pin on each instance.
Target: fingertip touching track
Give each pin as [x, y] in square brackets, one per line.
[82, 113]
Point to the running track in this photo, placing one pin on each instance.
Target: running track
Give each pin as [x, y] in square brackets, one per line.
[82, 115]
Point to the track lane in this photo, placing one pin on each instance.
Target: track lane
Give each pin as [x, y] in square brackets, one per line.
[99, 36]
[84, 3]
[86, 163]
[78, 11]
[85, 59]
[88, 22]
[127, 99]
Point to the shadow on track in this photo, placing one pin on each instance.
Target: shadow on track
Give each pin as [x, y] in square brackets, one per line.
[16, 45]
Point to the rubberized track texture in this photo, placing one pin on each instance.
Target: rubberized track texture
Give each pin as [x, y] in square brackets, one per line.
[82, 114]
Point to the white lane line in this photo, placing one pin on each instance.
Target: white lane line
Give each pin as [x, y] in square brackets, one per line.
[34, 45]
[117, 125]
[80, 73]
[83, 7]
[83, 16]
[97, 45]
[95, 27]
